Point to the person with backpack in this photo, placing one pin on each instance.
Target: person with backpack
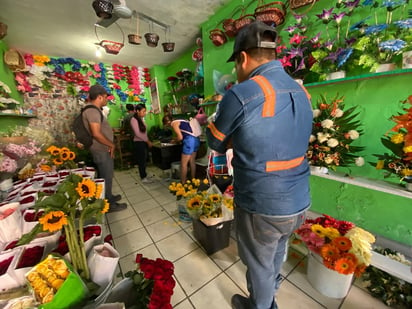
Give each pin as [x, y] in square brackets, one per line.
[102, 147]
[140, 141]
[188, 132]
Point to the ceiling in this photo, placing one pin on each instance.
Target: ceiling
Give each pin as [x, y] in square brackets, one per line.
[65, 28]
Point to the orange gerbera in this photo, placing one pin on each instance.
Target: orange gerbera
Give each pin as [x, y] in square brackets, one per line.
[360, 269]
[342, 243]
[57, 161]
[344, 266]
[350, 256]
[72, 155]
[86, 188]
[64, 155]
[53, 221]
[329, 252]
[329, 264]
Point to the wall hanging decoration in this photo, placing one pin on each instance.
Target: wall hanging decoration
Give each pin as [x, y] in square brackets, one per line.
[217, 37]
[272, 14]
[14, 60]
[3, 30]
[244, 19]
[111, 47]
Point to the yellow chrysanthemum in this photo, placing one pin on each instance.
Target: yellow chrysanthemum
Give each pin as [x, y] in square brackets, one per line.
[99, 190]
[380, 164]
[397, 138]
[318, 230]
[53, 221]
[407, 149]
[106, 207]
[206, 181]
[86, 188]
[406, 172]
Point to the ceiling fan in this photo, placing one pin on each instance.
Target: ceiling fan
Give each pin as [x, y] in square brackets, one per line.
[110, 11]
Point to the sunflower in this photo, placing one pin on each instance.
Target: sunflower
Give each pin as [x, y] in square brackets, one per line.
[342, 243]
[64, 149]
[64, 155]
[57, 161]
[318, 230]
[99, 190]
[329, 252]
[72, 155]
[86, 188]
[345, 266]
[194, 203]
[105, 207]
[215, 198]
[51, 149]
[53, 221]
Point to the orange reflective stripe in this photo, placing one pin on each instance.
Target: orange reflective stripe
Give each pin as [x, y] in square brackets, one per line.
[306, 91]
[215, 132]
[269, 94]
[272, 166]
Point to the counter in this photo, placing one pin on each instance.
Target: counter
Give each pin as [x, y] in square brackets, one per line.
[163, 154]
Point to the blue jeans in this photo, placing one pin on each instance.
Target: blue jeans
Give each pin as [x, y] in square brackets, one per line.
[105, 170]
[261, 242]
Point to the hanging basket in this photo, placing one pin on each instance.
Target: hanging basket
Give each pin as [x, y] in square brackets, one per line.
[111, 47]
[168, 47]
[14, 60]
[243, 21]
[3, 30]
[229, 27]
[135, 39]
[272, 14]
[103, 8]
[217, 37]
[151, 39]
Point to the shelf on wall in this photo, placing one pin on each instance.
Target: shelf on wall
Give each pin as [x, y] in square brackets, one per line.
[360, 77]
[17, 115]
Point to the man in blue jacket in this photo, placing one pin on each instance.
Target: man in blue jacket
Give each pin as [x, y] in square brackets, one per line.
[267, 119]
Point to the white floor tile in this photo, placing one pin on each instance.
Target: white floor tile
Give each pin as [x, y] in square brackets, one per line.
[153, 215]
[144, 205]
[290, 297]
[125, 226]
[176, 246]
[237, 272]
[184, 305]
[359, 299]
[163, 228]
[120, 215]
[132, 242]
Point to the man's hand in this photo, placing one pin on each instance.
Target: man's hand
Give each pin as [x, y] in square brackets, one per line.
[111, 151]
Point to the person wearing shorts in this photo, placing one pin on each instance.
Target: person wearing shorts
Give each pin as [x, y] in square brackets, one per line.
[190, 145]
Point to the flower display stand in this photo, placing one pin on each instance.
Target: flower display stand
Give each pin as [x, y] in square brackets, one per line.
[336, 75]
[385, 67]
[326, 281]
[319, 169]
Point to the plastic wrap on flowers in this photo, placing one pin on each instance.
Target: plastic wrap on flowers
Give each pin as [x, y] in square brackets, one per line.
[55, 284]
[10, 222]
[8, 280]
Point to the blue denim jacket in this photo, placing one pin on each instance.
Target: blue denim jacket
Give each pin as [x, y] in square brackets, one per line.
[271, 173]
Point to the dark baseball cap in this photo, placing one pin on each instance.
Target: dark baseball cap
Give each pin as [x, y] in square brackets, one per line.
[251, 36]
[97, 90]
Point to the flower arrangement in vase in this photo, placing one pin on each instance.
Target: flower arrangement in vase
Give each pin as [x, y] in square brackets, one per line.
[343, 247]
[398, 141]
[75, 200]
[333, 131]
[153, 283]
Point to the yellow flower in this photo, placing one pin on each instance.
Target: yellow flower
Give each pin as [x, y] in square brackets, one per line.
[72, 155]
[318, 230]
[215, 198]
[397, 138]
[45, 167]
[380, 164]
[57, 161]
[99, 190]
[64, 155]
[407, 149]
[53, 221]
[194, 203]
[105, 207]
[331, 232]
[406, 172]
[205, 181]
[86, 188]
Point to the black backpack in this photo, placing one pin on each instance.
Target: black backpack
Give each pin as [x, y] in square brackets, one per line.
[82, 135]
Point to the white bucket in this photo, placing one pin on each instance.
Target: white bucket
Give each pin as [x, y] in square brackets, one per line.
[407, 60]
[175, 170]
[336, 75]
[326, 281]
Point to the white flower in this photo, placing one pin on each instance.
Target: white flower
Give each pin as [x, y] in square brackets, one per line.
[359, 161]
[338, 113]
[312, 138]
[353, 134]
[327, 124]
[316, 113]
[5, 87]
[322, 137]
[328, 160]
[333, 142]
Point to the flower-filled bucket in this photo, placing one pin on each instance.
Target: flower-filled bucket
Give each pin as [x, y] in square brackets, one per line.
[10, 222]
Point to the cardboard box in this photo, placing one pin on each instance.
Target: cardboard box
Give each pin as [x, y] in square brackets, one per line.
[214, 237]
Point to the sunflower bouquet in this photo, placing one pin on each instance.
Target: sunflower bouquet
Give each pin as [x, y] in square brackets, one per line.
[60, 158]
[343, 247]
[75, 200]
[189, 188]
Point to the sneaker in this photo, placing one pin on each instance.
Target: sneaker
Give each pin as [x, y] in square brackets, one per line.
[147, 180]
[117, 207]
[115, 198]
[239, 302]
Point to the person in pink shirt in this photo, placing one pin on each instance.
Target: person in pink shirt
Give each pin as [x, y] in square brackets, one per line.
[141, 142]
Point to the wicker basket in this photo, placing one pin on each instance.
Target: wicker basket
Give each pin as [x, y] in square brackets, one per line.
[14, 60]
[272, 14]
[168, 47]
[111, 47]
[3, 30]
[217, 37]
[229, 27]
[135, 39]
[243, 20]
[151, 39]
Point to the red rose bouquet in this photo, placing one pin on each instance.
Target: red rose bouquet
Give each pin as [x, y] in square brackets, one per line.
[153, 281]
[344, 247]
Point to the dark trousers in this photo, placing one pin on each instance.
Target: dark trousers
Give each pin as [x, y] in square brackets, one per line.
[140, 153]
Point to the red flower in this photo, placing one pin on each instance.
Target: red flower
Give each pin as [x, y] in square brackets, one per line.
[30, 257]
[139, 257]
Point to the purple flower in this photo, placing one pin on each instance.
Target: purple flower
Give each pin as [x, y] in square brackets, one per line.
[404, 24]
[351, 4]
[333, 57]
[315, 39]
[298, 17]
[326, 14]
[329, 44]
[296, 52]
[392, 45]
[338, 17]
[290, 29]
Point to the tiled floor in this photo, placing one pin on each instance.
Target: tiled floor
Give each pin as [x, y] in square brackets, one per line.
[150, 226]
